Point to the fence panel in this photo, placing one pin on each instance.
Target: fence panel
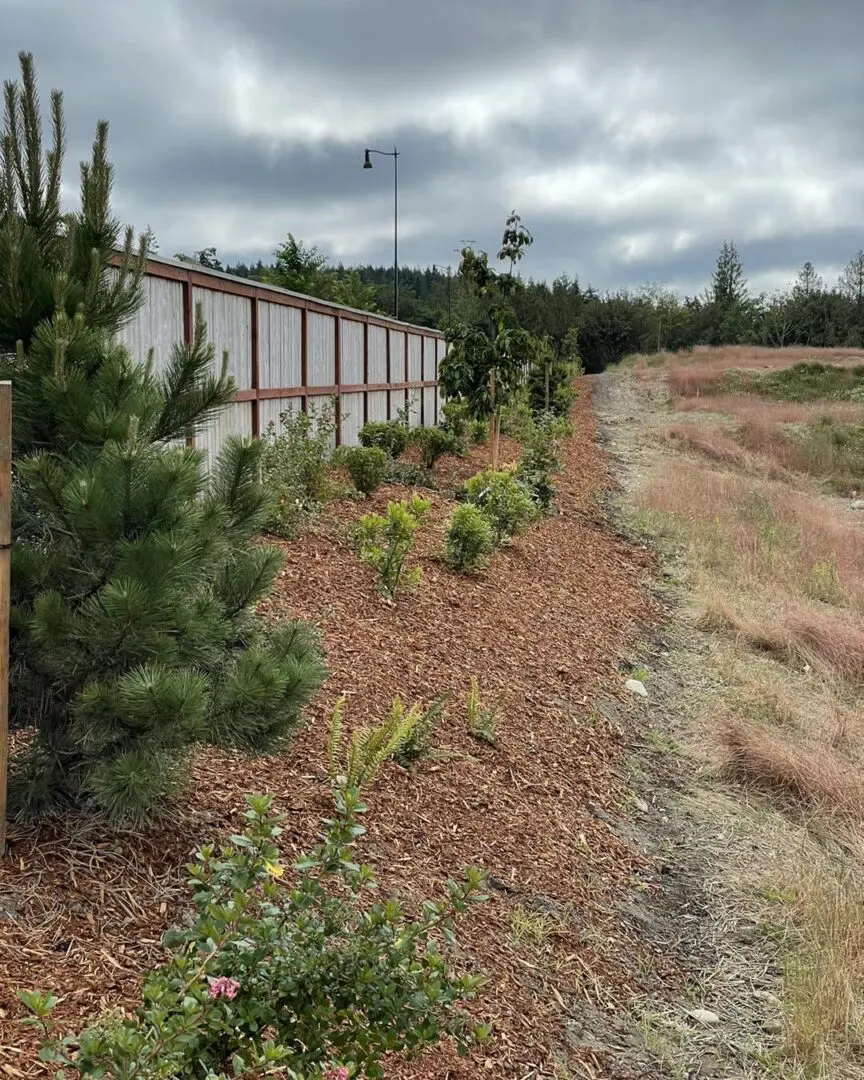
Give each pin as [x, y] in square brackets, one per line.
[280, 345]
[158, 324]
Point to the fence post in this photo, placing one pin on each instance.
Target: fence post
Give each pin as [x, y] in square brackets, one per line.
[5, 554]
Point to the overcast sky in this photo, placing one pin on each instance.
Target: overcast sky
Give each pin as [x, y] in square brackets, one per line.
[632, 135]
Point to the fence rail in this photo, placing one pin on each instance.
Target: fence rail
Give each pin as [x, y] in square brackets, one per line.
[287, 351]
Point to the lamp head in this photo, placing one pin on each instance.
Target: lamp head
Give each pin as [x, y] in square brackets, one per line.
[367, 161]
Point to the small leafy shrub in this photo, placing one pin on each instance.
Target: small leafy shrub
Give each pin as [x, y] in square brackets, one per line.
[294, 467]
[539, 463]
[432, 442]
[457, 420]
[356, 765]
[366, 465]
[296, 980]
[478, 432]
[516, 419]
[504, 500]
[391, 436]
[418, 743]
[384, 541]
[409, 474]
[482, 719]
[469, 540]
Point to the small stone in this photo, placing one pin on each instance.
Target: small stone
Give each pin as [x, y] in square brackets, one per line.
[857, 504]
[636, 687]
[641, 805]
[773, 1026]
[704, 1016]
[766, 995]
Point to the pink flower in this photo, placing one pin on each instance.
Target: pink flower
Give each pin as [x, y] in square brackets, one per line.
[224, 987]
[336, 1074]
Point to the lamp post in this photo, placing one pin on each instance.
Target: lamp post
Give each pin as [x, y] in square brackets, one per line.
[367, 164]
[438, 266]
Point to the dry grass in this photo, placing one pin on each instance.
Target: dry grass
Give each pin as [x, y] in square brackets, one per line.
[758, 535]
[811, 775]
[712, 442]
[702, 372]
[765, 410]
[824, 970]
[826, 641]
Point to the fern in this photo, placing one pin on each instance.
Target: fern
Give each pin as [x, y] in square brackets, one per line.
[482, 720]
[418, 744]
[369, 747]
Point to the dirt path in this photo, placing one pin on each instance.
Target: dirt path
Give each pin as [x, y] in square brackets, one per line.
[726, 1020]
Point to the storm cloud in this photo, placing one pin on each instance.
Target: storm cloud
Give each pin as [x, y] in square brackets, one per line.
[632, 135]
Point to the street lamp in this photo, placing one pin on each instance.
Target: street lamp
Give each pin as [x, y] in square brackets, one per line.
[367, 164]
[438, 266]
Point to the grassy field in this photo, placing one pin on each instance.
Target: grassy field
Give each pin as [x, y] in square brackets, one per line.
[744, 503]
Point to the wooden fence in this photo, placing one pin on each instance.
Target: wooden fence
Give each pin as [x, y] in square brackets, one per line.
[287, 351]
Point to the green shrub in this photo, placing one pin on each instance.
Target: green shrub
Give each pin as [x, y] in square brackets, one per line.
[384, 542]
[366, 465]
[299, 980]
[457, 420]
[409, 474]
[516, 419]
[505, 501]
[469, 539]
[391, 436]
[294, 467]
[432, 442]
[539, 463]
[478, 432]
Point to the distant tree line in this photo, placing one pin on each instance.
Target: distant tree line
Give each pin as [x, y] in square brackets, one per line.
[610, 324]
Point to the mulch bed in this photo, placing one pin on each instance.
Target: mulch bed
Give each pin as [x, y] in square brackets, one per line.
[82, 907]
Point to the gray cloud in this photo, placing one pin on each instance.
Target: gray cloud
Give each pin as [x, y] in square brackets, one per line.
[632, 135]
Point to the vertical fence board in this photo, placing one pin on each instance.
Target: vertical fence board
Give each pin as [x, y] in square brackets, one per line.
[377, 405]
[236, 419]
[280, 343]
[352, 352]
[322, 349]
[377, 355]
[351, 418]
[157, 324]
[440, 350]
[229, 327]
[270, 409]
[398, 371]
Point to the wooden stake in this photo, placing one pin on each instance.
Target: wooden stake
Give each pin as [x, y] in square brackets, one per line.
[5, 546]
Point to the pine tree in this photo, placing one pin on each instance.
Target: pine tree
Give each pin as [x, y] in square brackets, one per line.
[808, 283]
[730, 307]
[851, 283]
[728, 284]
[134, 574]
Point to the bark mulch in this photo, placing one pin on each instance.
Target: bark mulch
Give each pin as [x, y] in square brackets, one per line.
[82, 906]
